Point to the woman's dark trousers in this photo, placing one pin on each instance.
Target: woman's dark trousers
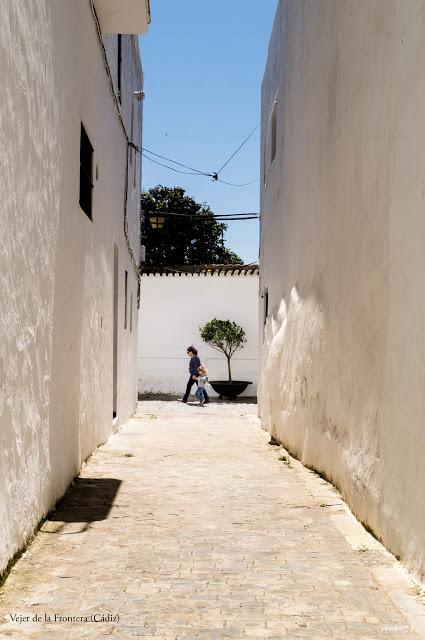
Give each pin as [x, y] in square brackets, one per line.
[190, 384]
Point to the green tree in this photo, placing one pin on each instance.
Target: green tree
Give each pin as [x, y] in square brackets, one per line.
[225, 336]
[182, 240]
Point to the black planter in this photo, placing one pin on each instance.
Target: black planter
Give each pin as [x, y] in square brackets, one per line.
[227, 389]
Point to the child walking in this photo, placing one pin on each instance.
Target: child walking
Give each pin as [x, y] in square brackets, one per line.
[202, 379]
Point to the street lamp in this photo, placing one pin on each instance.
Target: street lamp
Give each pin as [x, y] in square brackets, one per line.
[156, 221]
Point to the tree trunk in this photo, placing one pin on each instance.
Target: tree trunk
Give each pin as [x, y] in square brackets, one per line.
[228, 368]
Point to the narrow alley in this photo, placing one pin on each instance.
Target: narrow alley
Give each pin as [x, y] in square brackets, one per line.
[189, 524]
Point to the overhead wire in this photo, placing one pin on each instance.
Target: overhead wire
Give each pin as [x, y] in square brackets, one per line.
[198, 172]
[239, 148]
[244, 184]
[128, 141]
[161, 164]
[195, 215]
[220, 217]
[144, 152]
[180, 164]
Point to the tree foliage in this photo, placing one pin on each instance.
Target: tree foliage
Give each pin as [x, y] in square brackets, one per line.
[225, 336]
[182, 240]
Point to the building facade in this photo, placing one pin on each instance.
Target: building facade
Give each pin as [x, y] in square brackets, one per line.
[69, 220]
[175, 304]
[342, 254]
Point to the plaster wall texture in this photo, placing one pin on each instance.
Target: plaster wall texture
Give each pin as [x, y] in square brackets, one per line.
[56, 266]
[173, 308]
[342, 254]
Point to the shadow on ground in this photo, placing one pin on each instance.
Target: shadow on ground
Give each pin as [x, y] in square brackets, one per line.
[172, 398]
[88, 500]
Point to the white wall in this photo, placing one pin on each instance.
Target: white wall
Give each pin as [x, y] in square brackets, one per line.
[173, 308]
[342, 254]
[56, 266]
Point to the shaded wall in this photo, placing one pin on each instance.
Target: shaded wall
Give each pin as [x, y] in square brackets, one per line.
[342, 237]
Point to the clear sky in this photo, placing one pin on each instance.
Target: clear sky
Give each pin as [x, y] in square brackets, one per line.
[203, 63]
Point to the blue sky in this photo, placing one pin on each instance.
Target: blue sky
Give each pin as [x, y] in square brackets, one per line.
[203, 63]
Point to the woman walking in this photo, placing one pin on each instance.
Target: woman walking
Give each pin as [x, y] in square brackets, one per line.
[194, 364]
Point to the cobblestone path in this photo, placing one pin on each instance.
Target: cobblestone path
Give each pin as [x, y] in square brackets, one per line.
[188, 525]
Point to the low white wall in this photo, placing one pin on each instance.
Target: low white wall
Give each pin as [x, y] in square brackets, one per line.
[173, 307]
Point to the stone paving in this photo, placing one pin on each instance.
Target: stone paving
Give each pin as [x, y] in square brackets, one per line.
[188, 525]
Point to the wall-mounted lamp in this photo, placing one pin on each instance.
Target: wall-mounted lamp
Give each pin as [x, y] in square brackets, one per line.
[139, 95]
[156, 221]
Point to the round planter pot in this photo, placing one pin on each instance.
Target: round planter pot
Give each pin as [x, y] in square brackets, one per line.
[227, 389]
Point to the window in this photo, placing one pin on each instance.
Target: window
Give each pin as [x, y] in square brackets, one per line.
[265, 305]
[131, 312]
[86, 173]
[119, 61]
[273, 134]
[125, 298]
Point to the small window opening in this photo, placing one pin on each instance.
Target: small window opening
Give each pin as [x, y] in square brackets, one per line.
[273, 135]
[86, 174]
[125, 298]
[265, 306]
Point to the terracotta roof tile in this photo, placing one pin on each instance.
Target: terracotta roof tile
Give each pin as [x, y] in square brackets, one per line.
[203, 269]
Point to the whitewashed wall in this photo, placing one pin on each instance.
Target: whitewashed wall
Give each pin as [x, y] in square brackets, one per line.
[56, 266]
[342, 254]
[173, 308]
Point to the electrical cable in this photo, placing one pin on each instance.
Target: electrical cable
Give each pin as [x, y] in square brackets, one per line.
[251, 217]
[107, 67]
[195, 215]
[238, 149]
[180, 164]
[143, 152]
[187, 173]
[222, 217]
[244, 184]
[129, 143]
[214, 175]
[158, 213]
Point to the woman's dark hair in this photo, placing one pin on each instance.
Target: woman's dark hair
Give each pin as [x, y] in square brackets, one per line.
[193, 350]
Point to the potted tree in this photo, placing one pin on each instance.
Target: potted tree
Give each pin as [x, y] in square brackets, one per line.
[227, 337]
